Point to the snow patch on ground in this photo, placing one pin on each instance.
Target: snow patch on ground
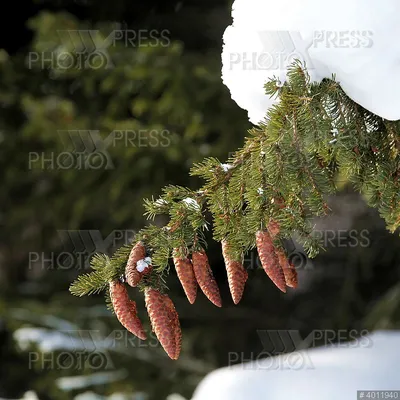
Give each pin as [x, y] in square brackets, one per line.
[48, 340]
[68, 383]
[328, 373]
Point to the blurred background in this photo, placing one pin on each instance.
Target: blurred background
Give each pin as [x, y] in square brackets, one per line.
[102, 104]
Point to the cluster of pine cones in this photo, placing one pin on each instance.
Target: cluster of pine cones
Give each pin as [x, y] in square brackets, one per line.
[193, 273]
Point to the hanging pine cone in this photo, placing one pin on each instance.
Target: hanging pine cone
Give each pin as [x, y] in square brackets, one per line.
[133, 276]
[184, 269]
[288, 269]
[205, 277]
[162, 320]
[125, 309]
[274, 229]
[174, 317]
[269, 259]
[237, 275]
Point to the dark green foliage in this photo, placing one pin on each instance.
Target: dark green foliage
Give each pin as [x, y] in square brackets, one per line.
[315, 137]
[187, 97]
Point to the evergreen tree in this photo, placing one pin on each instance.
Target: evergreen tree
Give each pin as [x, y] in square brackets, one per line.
[315, 139]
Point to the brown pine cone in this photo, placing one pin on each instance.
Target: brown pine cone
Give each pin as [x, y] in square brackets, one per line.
[133, 276]
[274, 229]
[288, 269]
[125, 309]
[269, 259]
[237, 275]
[162, 321]
[205, 277]
[184, 269]
[174, 317]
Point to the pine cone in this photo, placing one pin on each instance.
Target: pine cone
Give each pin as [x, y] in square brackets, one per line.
[205, 277]
[288, 269]
[162, 320]
[269, 259]
[125, 309]
[237, 275]
[184, 269]
[174, 317]
[274, 229]
[133, 276]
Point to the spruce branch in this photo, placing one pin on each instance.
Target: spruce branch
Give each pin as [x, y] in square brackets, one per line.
[88, 284]
[314, 140]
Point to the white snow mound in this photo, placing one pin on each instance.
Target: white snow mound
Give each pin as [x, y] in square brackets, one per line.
[357, 40]
[328, 373]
